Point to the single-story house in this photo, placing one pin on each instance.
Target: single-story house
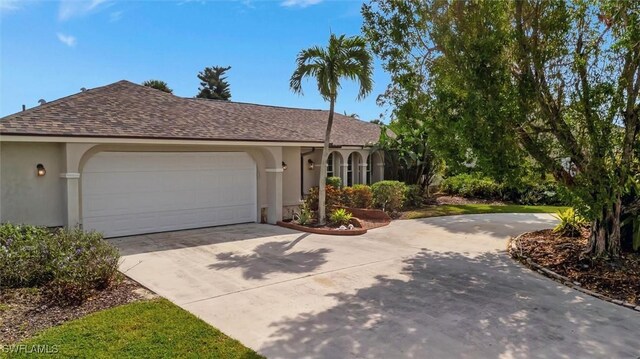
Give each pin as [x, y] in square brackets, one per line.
[126, 159]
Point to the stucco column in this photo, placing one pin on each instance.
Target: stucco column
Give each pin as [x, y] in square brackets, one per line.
[363, 173]
[274, 173]
[72, 191]
[74, 153]
[344, 173]
[274, 194]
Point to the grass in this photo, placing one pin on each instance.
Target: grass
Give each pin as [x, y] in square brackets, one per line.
[454, 209]
[148, 329]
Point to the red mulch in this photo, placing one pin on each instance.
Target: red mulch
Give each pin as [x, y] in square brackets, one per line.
[25, 311]
[617, 279]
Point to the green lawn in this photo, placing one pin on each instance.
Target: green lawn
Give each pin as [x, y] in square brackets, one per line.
[453, 209]
[149, 329]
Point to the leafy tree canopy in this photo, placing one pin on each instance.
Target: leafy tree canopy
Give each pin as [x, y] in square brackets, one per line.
[505, 82]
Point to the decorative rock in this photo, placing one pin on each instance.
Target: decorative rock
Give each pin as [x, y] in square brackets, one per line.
[628, 305]
[617, 301]
[576, 283]
[637, 308]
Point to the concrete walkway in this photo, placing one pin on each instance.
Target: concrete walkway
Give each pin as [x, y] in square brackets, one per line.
[432, 288]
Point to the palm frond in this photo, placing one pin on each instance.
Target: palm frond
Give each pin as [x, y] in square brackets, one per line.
[346, 57]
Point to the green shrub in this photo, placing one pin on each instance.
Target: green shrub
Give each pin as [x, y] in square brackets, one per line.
[526, 192]
[358, 196]
[332, 200]
[570, 223]
[25, 256]
[68, 264]
[389, 195]
[335, 182]
[340, 217]
[414, 196]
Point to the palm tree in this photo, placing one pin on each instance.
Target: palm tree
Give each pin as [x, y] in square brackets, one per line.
[345, 57]
[158, 85]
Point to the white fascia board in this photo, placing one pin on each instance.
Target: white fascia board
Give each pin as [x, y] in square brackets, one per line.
[151, 141]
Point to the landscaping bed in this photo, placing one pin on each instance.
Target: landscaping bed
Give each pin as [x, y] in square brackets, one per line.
[617, 279]
[328, 230]
[26, 311]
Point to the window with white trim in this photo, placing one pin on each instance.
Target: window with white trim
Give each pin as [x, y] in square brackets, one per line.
[330, 165]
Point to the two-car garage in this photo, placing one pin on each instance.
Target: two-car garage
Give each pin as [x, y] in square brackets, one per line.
[128, 193]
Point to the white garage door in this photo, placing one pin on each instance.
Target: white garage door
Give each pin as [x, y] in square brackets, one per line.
[126, 193]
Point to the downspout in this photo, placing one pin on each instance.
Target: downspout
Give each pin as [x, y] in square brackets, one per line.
[313, 149]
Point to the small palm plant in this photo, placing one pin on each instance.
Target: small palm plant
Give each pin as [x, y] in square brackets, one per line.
[570, 223]
[340, 217]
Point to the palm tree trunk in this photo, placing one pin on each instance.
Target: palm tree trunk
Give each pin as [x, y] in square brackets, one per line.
[322, 190]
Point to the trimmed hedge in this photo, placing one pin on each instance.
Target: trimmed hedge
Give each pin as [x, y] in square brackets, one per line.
[358, 196]
[389, 195]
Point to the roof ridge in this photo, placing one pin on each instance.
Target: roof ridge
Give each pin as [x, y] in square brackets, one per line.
[253, 104]
[62, 99]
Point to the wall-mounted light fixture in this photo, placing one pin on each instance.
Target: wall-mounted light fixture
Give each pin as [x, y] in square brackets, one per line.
[40, 170]
[284, 166]
[311, 164]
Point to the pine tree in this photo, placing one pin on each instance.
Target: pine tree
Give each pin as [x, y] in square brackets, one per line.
[213, 83]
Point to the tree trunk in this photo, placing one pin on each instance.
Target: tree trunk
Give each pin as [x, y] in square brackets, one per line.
[604, 240]
[322, 190]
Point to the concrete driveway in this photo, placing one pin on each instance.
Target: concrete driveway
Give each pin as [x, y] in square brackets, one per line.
[432, 288]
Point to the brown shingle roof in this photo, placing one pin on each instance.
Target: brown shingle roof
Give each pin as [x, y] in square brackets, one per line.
[124, 109]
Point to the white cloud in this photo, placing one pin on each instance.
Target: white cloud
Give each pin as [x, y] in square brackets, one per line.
[115, 16]
[67, 39]
[9, 6]
[299, 3]
[74, 8]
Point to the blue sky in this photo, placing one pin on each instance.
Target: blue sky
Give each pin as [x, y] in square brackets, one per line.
[50, 49]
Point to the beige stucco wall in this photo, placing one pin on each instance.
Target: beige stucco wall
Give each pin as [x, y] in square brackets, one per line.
[291, 177]
[310, 177]
[55, 201]
[25, 197]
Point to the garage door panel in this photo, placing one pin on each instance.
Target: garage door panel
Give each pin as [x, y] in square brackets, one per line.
[133, 192]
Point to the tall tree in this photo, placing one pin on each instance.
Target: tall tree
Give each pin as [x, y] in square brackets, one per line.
[158, 85]
[213, 83]
[552, 80]
[344, 57]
